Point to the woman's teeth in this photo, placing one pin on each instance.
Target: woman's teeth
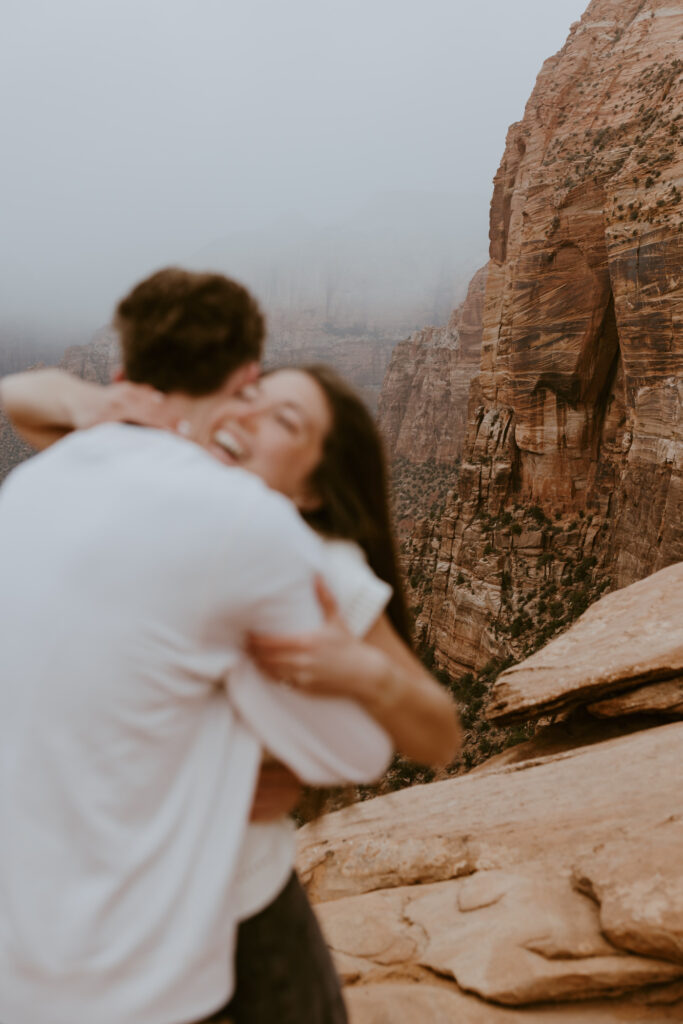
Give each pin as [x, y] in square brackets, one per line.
[229, 443]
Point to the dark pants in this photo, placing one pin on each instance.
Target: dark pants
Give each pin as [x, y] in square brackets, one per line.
[284, 972]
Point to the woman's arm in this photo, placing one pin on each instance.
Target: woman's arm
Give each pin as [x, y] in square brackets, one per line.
[413, 707]
[44, 405]
[379, 671]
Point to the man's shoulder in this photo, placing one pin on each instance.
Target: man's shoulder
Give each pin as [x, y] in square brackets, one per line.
[231, 497]
[156, 473]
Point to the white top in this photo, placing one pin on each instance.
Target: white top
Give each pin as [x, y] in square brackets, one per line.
[133, 563]
[267, 856]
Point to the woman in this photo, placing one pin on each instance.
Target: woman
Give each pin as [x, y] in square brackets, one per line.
[307, 435]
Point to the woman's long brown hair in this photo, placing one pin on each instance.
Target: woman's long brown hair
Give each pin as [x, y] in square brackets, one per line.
[352, 484]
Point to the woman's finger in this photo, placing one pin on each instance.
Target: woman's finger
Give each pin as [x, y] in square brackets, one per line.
[135, 403]
[286, 644]
[295, 673]
[284, 663]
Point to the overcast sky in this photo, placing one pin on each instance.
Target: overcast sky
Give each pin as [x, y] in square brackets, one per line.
[136, 133]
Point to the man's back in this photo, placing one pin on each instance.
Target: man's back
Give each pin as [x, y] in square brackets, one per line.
[128, 579]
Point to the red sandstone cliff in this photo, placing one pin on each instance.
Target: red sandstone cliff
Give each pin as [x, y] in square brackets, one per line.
[571, 476]
[423, 401]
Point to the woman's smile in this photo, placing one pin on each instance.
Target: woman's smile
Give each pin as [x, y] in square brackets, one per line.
[231, 445]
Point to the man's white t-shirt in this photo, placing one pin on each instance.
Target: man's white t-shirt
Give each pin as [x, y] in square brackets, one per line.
[133, 564]
[268, 852]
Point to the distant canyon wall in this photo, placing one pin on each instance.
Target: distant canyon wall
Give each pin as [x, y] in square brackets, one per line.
[571, 474]
[359, 350]
[423, 402]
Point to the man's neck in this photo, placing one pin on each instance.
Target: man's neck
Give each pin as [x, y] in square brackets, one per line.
[190, 414]
[193, 416]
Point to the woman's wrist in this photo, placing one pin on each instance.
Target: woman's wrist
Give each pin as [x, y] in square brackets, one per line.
[383, 686]
[50, 398]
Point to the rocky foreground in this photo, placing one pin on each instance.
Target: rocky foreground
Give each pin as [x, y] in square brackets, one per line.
[546, 886]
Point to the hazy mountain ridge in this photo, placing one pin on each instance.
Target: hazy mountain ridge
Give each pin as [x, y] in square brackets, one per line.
[348, 293]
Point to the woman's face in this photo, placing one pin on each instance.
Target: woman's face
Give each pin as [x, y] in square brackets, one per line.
[276, 428]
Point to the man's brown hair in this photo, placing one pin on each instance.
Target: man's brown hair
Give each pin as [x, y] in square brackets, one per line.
[186, 331]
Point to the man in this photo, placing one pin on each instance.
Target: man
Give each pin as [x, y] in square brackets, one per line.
[133, 566]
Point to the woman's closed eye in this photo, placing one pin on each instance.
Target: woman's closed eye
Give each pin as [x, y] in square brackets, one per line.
[289, 419]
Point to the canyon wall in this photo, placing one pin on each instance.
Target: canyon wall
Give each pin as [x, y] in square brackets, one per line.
[423, 402]
[570, 481]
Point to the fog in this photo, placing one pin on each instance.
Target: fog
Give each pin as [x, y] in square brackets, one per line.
[272, 139]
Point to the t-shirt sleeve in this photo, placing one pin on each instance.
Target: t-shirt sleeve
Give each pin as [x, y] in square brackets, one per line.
[274, 555]
[361, 596]
[324, 740]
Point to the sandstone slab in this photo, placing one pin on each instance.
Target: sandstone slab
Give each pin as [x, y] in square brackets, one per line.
[638, 886]
[629, 637]
[508, 937]
[656, 699]
[395, 1002]
[557, 807]
[372, 863]
[559, 888]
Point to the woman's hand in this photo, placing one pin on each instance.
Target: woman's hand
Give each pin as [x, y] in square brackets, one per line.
[44, 405]
[122, 402]
[379, 672]
[331, 661]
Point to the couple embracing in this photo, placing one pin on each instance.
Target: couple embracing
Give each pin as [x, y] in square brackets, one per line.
[200, 612]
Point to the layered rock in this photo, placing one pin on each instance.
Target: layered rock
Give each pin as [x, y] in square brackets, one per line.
[571, 479]
[631, 640]
[423, 402]
[546, 885]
